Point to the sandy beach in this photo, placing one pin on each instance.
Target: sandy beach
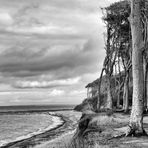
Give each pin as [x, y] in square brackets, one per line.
[63, 140]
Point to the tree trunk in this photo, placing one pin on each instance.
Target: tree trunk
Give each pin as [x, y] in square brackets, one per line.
[147, 87]
[136, 118]
[119, 94]
[126, 93]
[118, 99]
[109, 103]
[145, 84]
[99, 92]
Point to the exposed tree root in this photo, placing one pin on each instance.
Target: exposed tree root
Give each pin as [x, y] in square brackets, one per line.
[91, 130]
[117, 136]
[130, 131]
[134, 131]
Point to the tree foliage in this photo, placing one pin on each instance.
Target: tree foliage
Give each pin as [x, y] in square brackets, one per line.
[118, 42]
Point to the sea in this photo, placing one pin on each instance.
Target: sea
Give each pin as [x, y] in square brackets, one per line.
[21, 122]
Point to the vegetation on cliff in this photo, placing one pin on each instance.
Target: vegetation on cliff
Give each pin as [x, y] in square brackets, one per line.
[126, 52]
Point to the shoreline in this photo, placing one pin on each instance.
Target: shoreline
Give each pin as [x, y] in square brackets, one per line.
[47, 136]
[20, 142]
[56, 121]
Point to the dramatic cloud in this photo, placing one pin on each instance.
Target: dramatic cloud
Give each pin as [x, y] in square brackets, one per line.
[46, 84]
[56, 92]
[49, 48]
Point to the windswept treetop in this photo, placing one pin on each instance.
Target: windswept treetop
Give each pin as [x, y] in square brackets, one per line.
[116, 17]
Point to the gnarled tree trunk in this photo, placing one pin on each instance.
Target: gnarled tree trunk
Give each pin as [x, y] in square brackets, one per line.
[136, 118]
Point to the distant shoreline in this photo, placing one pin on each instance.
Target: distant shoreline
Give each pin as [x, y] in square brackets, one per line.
[33, 111]
[43, 105]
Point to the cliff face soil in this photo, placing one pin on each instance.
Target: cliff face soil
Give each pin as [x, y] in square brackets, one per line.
[87, 104]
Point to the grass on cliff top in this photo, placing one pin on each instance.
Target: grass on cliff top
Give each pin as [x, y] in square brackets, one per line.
[110, 126]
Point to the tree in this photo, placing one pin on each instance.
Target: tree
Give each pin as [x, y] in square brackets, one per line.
[117, 50]
[136, 117]
[127, 69]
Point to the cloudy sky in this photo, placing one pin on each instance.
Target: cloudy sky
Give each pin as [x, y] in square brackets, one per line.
[49, 50]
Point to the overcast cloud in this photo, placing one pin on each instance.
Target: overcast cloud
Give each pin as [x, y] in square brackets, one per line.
[49, 49]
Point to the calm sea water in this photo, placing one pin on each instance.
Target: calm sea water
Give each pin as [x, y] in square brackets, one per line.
[20, 122]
